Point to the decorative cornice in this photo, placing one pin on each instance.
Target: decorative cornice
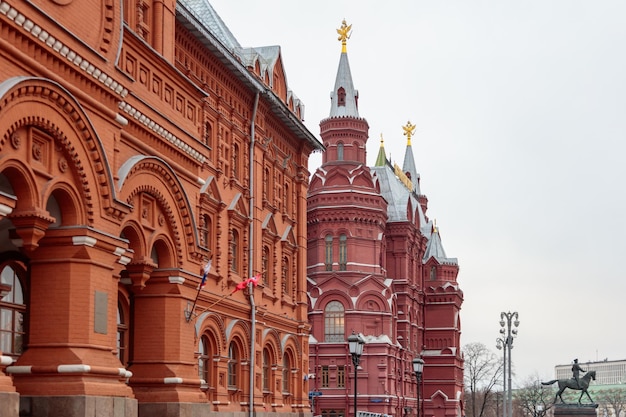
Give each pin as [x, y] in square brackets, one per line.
[161, 131]
[57, 47]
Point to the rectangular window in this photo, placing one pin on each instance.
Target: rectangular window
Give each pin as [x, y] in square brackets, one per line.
[343, 253]
[324, 376]
[341, 376]
[328, 253]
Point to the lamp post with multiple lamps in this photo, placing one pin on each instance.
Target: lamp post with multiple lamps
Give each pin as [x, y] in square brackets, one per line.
[508, 329]
[418, 368]
[355, 344]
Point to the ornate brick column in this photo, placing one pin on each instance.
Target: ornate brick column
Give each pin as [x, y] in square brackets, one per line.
[9, 398]
[70, 359]
[165, 378]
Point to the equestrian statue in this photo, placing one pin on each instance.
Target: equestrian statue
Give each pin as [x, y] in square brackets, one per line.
[576, 383]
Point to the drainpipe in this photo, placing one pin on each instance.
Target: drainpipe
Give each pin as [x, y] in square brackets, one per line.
[250, 256]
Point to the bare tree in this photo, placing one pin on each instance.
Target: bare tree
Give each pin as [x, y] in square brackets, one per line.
[612, 401]
[482, 372]
[534, 399]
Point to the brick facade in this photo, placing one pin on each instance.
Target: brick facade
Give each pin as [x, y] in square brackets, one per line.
[134, 148]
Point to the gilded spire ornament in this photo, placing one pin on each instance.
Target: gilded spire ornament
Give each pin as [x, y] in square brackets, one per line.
[344, 35]
[408, 132]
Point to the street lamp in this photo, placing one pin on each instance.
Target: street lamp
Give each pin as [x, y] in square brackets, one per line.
[500, 344]
[418, 367]
[355, 344]
[508, 329]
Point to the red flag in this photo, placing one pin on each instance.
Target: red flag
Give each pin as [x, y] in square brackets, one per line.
[243, 284]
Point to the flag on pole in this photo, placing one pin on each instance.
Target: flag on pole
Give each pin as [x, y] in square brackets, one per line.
[207, 268]
[243, 284]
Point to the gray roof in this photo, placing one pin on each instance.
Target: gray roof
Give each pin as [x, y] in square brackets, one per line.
[204, 12]
[199, 17]
[409, 166]
[435, 250]
[344, 79]
[398, 197]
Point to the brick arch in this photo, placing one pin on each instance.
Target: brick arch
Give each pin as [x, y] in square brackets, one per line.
[165, 250]
[290, 343]
[334, 295]
[210, 323]
[272, 341]
[136, 240]
[378, 298]
[138, 175]
[239, 330]
[68, 198]
[41, 103]
[22, 182]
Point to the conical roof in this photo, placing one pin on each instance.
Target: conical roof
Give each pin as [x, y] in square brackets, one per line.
[344, 97]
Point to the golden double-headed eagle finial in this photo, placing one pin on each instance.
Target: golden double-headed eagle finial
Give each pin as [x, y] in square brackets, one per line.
[408, 131]
[344, 34]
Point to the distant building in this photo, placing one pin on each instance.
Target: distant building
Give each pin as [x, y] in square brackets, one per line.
[376, 267]
[607, 372]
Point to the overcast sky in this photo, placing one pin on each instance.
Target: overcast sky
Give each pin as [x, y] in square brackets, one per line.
[520, 108]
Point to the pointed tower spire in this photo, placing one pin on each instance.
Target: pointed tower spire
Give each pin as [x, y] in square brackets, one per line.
[408, 167]
[344, 98]
[344, 132]
[381, 159]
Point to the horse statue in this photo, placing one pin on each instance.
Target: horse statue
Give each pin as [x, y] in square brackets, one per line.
[583, 384]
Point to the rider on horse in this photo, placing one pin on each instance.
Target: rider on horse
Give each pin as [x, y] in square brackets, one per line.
[576, 369]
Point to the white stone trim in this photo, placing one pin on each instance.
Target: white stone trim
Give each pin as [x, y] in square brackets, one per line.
[84, 240]
[177, 280]
[61, 49]
[161, 131]
[19, 369]
[62, 369]
[5, 360]
[173, 380]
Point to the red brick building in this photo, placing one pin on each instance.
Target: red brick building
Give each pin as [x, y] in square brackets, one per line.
[376, 267]
[138, 140]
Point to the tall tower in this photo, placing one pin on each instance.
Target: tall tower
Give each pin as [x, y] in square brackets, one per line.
[369, 246]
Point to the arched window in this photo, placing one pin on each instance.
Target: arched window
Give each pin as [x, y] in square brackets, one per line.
[233, 365]
[206, 227]
[340, 151]
[328, 252]
[286, 273]
[286, 374]
[266, 370]
[341, 97]
[236, 161]
[12, 311]
[122, 334]
[287, 200]
[334, 322]
[203, 359]
[234, 249]
[265, 262]
[208, 134]
[343, 252]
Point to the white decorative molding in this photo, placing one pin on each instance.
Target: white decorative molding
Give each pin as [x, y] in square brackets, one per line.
[63, 369]
[84, 240]
[177, 280]
[61, 49]
[161, 131]
[173, 380]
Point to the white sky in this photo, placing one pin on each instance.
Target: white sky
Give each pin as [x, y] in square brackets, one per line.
[520, 112]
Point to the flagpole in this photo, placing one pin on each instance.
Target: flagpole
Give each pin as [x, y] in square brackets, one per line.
[254, 280]
[207, 268]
